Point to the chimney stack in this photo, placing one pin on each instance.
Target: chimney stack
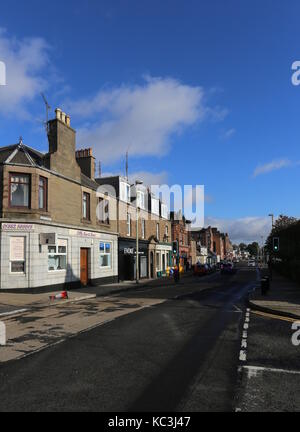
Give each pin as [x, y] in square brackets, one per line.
[86, 161]
[62, 146]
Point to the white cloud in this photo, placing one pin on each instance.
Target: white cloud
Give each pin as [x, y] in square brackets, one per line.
[228, 134]
[148, 178]
[24, 59]
[142, 118]
[272, 166]
[248, 229]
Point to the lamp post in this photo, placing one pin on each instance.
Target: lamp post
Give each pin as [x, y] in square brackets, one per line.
[271, 254]
[137, 183]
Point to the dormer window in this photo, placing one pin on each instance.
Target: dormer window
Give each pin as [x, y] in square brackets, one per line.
[155, 206]
[140, 196]
[164, 211]
[125, 194]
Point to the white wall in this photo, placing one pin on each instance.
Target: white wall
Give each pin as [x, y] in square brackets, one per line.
[37, 274]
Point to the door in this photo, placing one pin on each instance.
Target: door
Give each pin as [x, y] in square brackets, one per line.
[152, 264]
[84, 267]
[143, 267]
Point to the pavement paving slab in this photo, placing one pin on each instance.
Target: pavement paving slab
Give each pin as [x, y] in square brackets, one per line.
[283, 298]
[43, 327]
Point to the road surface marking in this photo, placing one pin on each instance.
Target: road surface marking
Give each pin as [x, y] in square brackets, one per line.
[244, 344]
[278, 317]
[265, 369]
[15, 312]
[243, 356]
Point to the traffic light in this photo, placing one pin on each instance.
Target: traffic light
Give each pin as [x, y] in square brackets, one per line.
[175, 247]
[276, 244]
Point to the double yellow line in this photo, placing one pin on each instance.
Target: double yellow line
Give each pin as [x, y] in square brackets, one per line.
[272, 316]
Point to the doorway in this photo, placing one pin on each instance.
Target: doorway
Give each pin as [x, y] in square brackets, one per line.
[84, 266]
[152, 265]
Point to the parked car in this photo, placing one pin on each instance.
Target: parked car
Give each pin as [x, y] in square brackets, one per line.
[201, 270]
[228, 268]
[251, 263]
[212, 268]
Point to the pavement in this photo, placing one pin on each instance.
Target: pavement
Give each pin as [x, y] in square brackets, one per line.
[18, 303]
[282, 299]
[12, 304]
[171, 348]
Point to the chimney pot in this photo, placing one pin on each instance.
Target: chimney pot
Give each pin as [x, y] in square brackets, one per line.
[68, 120]
[58, 113]
[63, 117]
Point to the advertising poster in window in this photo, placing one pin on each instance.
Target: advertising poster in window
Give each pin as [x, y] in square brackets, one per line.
[17, 249]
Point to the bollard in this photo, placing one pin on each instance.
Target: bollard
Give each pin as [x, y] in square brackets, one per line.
[264, 286]
[267, 278]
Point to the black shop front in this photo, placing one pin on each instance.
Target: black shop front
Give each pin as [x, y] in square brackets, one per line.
[127, 259]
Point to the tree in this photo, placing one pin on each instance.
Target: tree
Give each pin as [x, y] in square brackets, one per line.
[243, 247]
[253, 249]
[283, 222]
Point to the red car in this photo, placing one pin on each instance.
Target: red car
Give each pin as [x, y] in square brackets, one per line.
[201, 270]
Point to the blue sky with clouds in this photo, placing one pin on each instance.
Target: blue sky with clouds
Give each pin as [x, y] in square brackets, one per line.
[199, 91]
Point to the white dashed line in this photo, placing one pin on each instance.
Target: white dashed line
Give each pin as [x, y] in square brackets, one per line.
[243, 356]
[244, 344]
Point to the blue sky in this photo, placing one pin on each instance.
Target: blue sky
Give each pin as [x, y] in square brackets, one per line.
[200, 92]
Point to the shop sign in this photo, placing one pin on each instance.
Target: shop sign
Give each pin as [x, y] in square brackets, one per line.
[17, 227]
[85, 234]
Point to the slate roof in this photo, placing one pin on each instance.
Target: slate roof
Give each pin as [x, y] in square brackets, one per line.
[24, 155]
[21, 154]
[89, 183]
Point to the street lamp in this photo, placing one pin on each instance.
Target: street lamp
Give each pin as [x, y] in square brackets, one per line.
[137, 183]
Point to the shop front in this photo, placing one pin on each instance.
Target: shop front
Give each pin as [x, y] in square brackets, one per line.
[163, 258]
[127, 259]
[35, 256]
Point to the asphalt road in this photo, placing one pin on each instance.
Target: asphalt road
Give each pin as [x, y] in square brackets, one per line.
[270, 379]
[179, 356]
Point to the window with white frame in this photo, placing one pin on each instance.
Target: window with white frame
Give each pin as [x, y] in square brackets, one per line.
[105, 255]
[125, 192]
[164, 211]
[155, 206]
[128, 224]
[103, 211]
[141, 200]
[157, 231]
[167, 232]
[19, 194]
[57, 256]
[17, 255]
